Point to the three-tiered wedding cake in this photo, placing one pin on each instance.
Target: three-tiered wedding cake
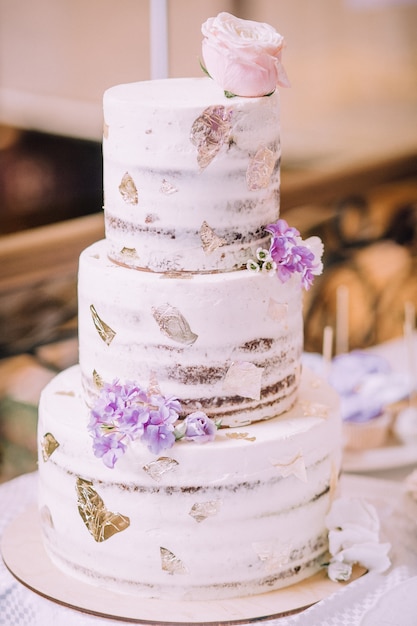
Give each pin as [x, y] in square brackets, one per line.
[188, 455]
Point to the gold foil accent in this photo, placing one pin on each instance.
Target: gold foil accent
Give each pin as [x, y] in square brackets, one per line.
[97, 380]
[101, 523]
[70, 394]
[209, 239]
[106, 333]
[202, 510]
[260, 169]
[168, 188]
[240, 436]
[105, 130]
[244, 379]
[128, 189]
[156, 469]
[314, 409]
[209, 132]
[151, 218]
[173, 324]
[170, 563]
[277, 311]
[292, 466]
[273, 555]
[48, 446]
[129, 253]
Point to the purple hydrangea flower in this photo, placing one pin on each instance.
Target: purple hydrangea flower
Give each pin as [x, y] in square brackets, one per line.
[159, 430]
[291, 255]
[199, 428]
[158, 437]
[125, 413]
[109, 448]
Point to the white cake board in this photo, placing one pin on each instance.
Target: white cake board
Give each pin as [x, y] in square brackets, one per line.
[24, 555]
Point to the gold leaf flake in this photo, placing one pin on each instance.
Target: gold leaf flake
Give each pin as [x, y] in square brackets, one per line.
[244, 378]
[106, 333]
[101, 523]
[233, 435]
[151, 218]
[273, 555]
[129, 253]
[170, 563]
[97, 379]
[173, 324]
[209, 132]
[156, 469]
[314, 409]
[209, 239]
[128, 189]
[260, 169]
[168, 188]
[292, 466]
[70, 394]
[202, 510]
[105, 130]
[48, 446]
[277, 311]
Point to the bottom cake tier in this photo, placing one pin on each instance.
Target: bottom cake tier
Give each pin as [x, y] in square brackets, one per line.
[241, 515]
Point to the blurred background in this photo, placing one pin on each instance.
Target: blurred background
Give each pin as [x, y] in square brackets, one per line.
[349, 168]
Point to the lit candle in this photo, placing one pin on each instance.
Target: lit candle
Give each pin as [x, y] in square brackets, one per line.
[159, 39]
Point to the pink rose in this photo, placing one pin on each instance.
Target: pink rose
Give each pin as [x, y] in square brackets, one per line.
[242, 56]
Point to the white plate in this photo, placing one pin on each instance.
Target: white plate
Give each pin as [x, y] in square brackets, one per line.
[387, 457]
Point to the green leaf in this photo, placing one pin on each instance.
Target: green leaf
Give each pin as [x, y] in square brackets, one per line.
[204, 69]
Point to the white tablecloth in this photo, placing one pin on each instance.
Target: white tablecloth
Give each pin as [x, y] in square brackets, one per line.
[20, 606]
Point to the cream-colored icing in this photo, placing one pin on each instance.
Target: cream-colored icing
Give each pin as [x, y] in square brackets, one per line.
[264, 491]
[231, 319]
[149, 137]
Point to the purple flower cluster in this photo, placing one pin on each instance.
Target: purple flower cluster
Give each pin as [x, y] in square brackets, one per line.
[124, 413]
[290, 254]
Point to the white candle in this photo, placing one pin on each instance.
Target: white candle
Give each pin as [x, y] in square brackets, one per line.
[409, 328]
[327, 349]
[159, 39]
[342, 319]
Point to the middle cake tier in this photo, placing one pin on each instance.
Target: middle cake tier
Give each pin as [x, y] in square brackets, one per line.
[229, 344]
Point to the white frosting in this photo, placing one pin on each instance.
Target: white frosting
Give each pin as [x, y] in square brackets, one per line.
[233, 319]
[148, 135]
[269, 488]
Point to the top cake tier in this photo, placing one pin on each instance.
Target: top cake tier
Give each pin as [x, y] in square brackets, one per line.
[191, 177]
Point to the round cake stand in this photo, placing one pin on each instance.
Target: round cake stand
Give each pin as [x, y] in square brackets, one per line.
[24, 555]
